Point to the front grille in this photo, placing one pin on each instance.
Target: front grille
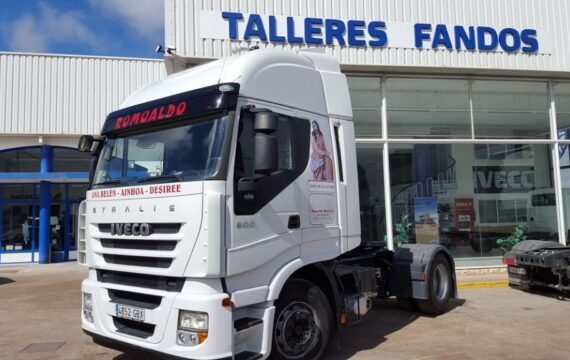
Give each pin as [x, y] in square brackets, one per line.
[158, 228]
[165, 283]
[140, 261]
[135, 299]
[159, 245]
[133, 328]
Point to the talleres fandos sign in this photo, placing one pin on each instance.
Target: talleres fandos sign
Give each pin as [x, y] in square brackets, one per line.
[228, 25]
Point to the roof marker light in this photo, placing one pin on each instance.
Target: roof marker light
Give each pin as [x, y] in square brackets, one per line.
[226, 88]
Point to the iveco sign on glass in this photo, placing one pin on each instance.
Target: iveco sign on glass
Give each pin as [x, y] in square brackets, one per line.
[377, 33]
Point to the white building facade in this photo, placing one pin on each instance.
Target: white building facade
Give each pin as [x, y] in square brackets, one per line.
[46, 103]
[461, 107]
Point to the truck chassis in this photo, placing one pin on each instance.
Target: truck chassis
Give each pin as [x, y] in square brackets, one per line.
[535, 263]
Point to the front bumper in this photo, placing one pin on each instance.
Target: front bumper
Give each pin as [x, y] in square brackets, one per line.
[127, 347]
[164, 318]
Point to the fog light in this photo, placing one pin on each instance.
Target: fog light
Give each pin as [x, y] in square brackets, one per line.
[87, 301]
[88, 315]
[187, 338]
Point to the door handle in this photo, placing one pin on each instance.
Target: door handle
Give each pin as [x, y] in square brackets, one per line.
[294, 222]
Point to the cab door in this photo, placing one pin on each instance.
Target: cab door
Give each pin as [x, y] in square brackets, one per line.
[265, 226]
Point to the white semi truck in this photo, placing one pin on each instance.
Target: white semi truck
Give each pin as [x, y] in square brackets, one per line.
[223, 217]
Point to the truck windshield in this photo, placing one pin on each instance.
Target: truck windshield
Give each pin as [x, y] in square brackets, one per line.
[186, 153]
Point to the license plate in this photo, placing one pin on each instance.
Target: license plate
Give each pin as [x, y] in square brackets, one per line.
[129, 312]
[517, 270]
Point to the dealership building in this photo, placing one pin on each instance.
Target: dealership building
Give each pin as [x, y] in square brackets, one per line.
[46, 103]
[461, 111]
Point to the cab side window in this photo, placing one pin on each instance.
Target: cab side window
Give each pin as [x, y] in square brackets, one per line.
[293, 158]
[244, 165]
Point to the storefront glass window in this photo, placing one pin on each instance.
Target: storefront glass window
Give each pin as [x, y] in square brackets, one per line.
[510, 109]
[18, 206]
[17, 227]
[371, 191]
[71, 160]
[428, 108]
[366, 98]
[466, 196]
[562, 98]
[77, 191]
[17, 191]
[58, 192]
[20, 160]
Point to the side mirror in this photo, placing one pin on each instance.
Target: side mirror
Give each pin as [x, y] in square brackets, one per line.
[265, 121]
[266, 159]
[85, 143]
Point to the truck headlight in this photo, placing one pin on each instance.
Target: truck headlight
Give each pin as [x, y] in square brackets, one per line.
[87, 301]
[192, 328]
[192, 320]
[88, 307]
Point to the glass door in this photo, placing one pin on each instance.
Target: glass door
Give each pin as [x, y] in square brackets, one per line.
[19, 227]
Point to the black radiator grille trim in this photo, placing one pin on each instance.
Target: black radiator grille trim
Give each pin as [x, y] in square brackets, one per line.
[164, 283]
[133, 328]
[140, 261]
[144, 301]
[156, 245]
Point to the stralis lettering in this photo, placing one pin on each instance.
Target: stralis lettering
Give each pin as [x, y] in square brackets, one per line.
[129, 209]
[157, 113]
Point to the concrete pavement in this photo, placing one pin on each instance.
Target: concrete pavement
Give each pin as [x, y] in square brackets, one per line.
[40, 319]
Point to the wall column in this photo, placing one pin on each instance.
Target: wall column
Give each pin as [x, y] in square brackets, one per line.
[46, 165]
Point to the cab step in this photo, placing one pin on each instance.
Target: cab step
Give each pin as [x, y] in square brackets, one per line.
[246, 323]
[248, 355]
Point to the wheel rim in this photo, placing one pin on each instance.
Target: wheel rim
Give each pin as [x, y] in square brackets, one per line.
[441, 282]
[296, 330]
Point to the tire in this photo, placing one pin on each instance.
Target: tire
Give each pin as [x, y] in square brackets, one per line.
[295, 335]
[408, 304]
[487, 246]
[440, 287]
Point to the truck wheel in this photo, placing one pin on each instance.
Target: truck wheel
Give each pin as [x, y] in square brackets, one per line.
[408, 304]
[440, 287]
[303, 320]
[482, 245]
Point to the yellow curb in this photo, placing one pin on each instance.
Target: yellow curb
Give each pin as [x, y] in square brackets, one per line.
[483, 284]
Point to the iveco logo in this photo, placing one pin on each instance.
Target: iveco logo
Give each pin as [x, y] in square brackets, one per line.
[135, 229]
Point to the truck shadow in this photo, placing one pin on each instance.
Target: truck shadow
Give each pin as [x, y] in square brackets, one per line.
[385, 318]
[5, 280]
[137, 356]
[547, 292]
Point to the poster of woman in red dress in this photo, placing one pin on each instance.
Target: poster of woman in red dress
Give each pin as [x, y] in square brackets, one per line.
[321, 163]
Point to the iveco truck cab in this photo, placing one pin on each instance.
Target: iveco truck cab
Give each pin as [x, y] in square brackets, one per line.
[223, 217]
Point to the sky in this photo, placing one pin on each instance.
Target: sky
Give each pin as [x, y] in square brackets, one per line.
[127, 28]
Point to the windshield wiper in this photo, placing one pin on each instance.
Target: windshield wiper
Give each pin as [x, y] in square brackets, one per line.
[161, 177]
